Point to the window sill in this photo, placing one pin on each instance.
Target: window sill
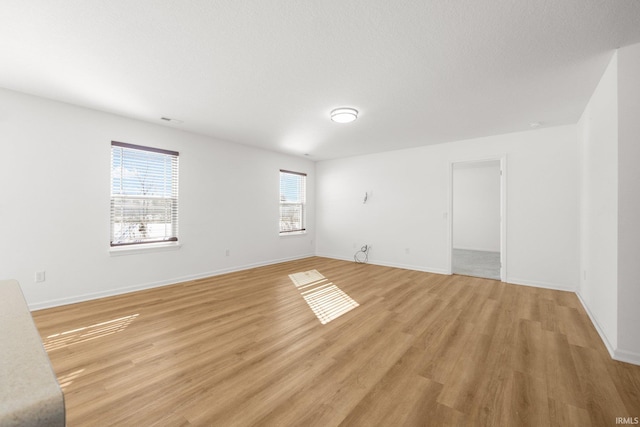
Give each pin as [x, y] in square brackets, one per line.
[293, 233]
[144, 248]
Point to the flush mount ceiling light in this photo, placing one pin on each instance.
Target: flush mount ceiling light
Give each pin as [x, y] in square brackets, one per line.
[344, 115]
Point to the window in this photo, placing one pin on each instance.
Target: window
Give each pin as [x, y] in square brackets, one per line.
[292, 201]
[144, 195]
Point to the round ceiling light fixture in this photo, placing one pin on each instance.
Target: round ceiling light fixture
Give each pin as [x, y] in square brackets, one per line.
[344, 115]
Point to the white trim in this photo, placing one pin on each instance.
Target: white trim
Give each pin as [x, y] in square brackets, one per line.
[292, 233]
[449, 216]
[435, 270]
[143, 248]
[390, 264]
[412, 267]
[143, 286]
[615, 353]
[626, 356]
[538, 284]
[502, 158]
[503, 218]
[600, 331]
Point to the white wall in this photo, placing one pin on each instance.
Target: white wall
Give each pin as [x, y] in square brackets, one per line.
[406, 218]
[54, 205]
[609, 131]
[476, 206]
[598, 135]
[629, 204]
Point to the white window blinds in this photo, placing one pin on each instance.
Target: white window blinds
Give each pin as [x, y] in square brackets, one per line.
[293, 189]
[144, 195]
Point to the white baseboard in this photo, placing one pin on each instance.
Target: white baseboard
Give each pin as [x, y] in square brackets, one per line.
[125, 290]
[599, 329]
[626, 356]
[615, 353]
[538, 284]
[389, 264]
[413, 267]
[513, 281]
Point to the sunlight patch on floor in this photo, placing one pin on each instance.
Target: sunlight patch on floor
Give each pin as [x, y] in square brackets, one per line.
[86, 333]
[326, 300]
[66, 380]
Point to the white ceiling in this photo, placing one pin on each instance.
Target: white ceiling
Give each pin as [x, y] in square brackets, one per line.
[267, 73]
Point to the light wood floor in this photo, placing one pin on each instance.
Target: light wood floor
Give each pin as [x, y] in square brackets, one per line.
[420, 349]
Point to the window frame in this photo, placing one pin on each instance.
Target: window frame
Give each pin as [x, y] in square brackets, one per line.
[170, 239]
[302, 204]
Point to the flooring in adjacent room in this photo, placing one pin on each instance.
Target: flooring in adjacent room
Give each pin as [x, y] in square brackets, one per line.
[398, 347]
[483, 264]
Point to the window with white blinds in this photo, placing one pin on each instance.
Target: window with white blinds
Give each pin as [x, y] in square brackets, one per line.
[293, 194]
[144, 195]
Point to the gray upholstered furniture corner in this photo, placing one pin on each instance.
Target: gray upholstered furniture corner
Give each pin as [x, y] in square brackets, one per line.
[29, 391]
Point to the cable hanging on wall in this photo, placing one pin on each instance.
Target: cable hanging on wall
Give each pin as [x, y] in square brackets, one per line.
[362, 256]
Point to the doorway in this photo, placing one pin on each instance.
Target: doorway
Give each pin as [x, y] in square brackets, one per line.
[477, 225]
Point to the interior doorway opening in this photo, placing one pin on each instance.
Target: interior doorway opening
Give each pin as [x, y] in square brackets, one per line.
[477, 226]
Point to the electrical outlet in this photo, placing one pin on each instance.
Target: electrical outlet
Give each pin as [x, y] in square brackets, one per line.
[40, 276]
[407, 251]
[227, 252]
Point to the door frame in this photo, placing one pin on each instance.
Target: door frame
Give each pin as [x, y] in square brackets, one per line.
[503, 211]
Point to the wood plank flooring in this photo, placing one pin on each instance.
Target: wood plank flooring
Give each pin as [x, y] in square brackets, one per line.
[420, 350]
